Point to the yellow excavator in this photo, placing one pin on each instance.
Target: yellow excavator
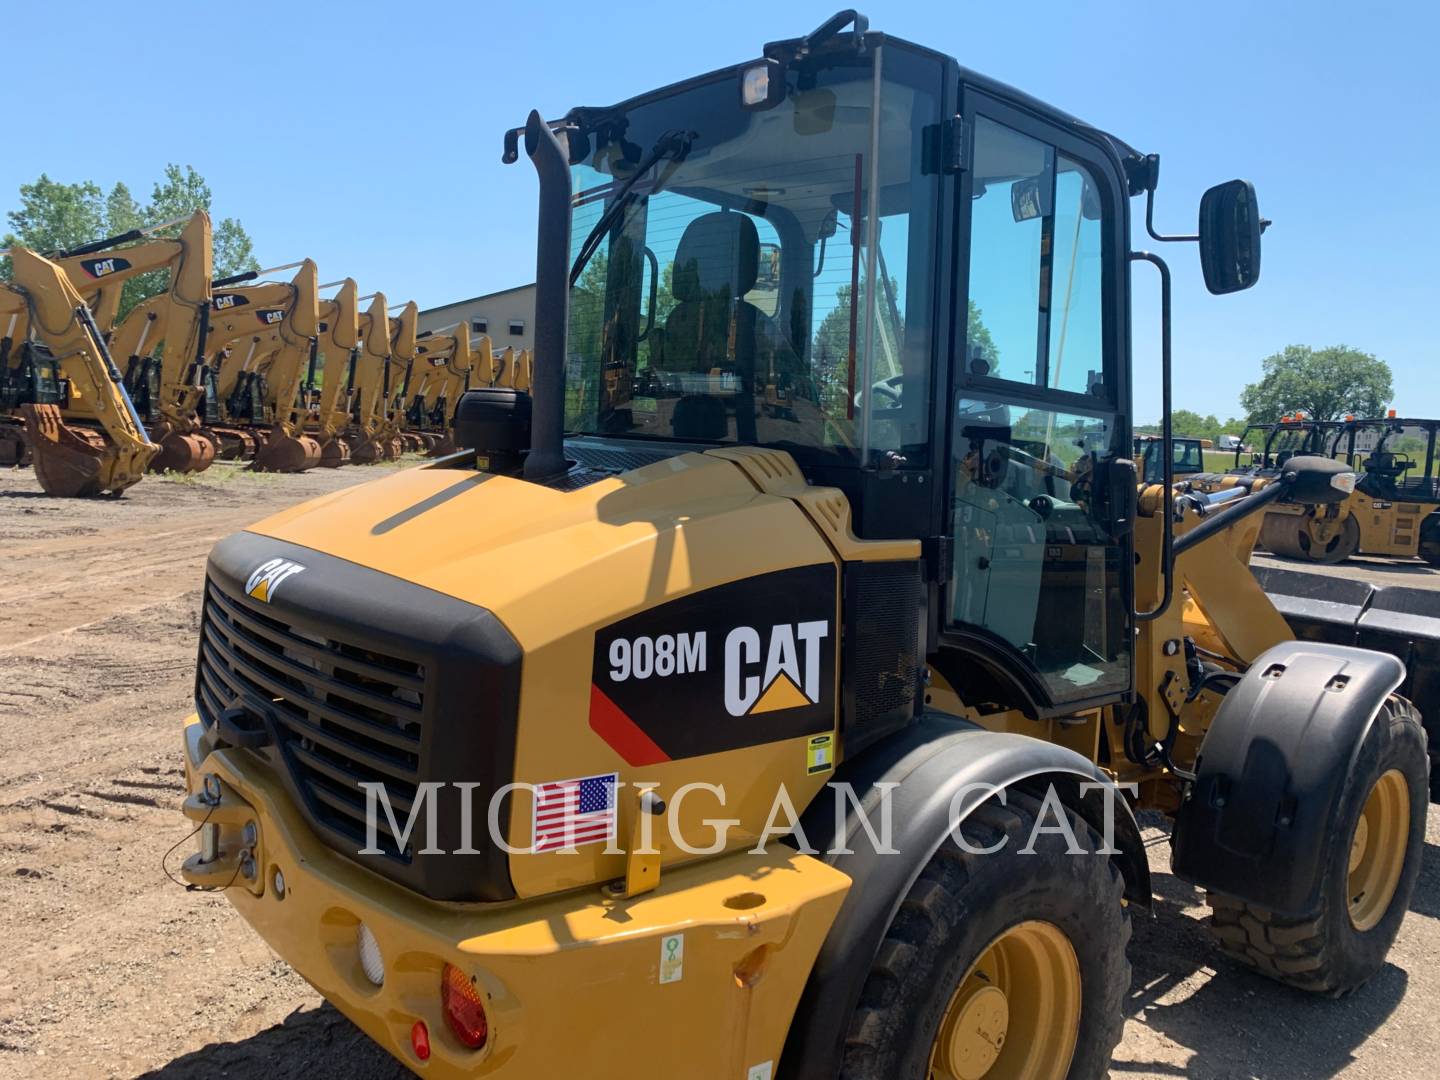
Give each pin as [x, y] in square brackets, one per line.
[389, 345]
[72, 461]
[428, 379]
[339, 345]
[250, 324]
[465, 362]
[171, 325]
[753, 710]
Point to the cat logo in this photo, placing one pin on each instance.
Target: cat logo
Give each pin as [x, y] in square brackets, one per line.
[267, 577]
[223, 301]
[271, 316]
[98, 268]
[790, 677]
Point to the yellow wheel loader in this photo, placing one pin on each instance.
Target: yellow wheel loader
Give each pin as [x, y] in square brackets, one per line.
[249, 326]
[774, 695]
[339, 348]
[71, 361]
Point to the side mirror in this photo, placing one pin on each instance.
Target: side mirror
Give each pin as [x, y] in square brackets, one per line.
[1230, 227]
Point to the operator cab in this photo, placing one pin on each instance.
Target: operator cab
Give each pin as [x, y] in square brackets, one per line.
[913, 280]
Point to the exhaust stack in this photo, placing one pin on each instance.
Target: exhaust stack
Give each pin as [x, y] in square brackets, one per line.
[551, 159]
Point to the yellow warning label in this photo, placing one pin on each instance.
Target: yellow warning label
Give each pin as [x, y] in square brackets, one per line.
[819, 755]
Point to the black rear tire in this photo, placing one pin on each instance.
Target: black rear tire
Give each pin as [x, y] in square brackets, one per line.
[1323, 951]
[963, 902]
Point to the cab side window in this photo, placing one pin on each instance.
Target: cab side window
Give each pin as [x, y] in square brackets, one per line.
[1038, 574]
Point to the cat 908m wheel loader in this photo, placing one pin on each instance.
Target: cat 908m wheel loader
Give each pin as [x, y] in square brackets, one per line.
[768, 692]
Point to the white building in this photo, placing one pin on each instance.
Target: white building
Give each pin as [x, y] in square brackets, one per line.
[507, 316]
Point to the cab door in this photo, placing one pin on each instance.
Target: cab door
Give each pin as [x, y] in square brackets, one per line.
[1040, 584]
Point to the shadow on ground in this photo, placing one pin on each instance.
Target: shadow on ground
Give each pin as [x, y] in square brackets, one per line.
[309, 1043]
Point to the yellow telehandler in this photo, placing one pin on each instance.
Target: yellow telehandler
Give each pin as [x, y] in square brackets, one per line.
[773, 698]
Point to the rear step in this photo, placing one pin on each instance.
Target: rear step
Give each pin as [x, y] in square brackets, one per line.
[1396, 619]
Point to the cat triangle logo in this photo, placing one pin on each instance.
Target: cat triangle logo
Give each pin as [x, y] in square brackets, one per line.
[781, 694]
[266, 578]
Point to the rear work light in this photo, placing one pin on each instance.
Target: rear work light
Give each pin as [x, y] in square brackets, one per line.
[464, 1007]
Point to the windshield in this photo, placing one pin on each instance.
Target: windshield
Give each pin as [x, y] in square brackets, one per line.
[724, 261]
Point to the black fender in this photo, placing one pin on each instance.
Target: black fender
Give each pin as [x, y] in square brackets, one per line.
[1272, 769]
[932, 761]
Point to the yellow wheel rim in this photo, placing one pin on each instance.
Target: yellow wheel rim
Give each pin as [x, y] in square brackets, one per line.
[1377, 850]
[1016, 1013]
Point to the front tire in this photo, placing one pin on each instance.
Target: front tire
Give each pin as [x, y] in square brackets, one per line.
[1371, 864]
[1007, 966]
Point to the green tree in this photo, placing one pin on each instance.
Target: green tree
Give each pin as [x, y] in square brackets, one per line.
[1193, 425]
[55, 216]
[1325, 384]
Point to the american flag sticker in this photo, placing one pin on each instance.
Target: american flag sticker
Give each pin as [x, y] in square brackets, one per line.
[572, 813]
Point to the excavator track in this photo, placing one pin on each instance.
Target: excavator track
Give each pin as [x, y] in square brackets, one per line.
[70, 462]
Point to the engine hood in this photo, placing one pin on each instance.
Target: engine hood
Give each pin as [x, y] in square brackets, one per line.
[549, 562]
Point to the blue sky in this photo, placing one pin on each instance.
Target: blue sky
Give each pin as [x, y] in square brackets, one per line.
[367, 136]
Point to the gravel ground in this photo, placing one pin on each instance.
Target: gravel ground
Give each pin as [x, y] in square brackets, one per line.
[109, 969]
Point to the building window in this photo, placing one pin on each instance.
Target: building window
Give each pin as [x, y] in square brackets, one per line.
[517, 327]
[480, 326]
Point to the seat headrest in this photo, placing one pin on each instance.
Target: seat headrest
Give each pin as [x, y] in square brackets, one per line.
[719, 254]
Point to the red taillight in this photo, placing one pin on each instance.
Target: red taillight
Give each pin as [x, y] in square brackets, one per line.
[420, 1040]
[464, 1008]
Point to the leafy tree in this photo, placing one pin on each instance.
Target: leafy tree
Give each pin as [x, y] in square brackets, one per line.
[55, 216]
[1325, 384]
[1193, 425]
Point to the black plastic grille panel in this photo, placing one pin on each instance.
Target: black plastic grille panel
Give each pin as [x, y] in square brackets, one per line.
[341, 715]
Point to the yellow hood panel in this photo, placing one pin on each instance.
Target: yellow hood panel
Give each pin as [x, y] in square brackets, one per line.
[550, 562]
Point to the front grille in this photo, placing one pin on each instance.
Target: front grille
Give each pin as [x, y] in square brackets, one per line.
[341, 715]
[348, 676]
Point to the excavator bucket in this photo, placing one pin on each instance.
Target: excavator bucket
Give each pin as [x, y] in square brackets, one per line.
[334, 453]
[367, 451]
[180, 453]
[1396, 619]
[286, 453]
[14, 450]
[70, 462]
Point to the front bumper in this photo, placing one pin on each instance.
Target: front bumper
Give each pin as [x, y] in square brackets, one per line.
[572, 983]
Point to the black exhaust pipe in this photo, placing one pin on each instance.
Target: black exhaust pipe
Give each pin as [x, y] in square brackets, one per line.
[551, 158]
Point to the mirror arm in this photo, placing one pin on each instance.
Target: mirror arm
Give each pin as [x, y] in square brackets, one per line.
[1167, 546]
[1150, 224]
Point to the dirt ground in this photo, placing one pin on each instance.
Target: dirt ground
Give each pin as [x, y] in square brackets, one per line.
[110, 969]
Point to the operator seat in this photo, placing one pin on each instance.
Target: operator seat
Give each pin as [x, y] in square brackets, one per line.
[713, 328]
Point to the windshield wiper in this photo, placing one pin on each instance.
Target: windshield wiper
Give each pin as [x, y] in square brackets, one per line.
[673, 145]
